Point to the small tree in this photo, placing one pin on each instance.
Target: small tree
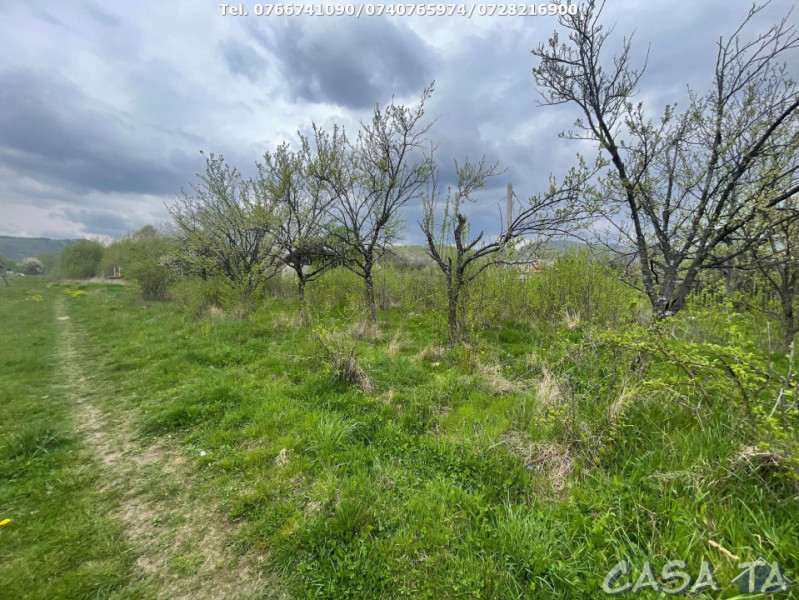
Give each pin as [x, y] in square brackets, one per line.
[9, 263]
[463, 257]
[140, 255]
[371, 181]
[81, 260]
[297, 204]
[220, 231]
[31, 266]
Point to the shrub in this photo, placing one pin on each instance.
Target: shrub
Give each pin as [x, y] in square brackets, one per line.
[342, 353]
[31, 266]
[81, 260]
[148, 269]
[577, 286]
[49, 262]
[197, 296]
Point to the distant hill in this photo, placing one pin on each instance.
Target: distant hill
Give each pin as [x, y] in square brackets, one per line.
[17, 248]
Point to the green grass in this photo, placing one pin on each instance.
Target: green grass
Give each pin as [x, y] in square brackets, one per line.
[59, 542]
[421, 488]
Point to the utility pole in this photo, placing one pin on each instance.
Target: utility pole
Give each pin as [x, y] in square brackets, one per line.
[508, 218]
[510, 206]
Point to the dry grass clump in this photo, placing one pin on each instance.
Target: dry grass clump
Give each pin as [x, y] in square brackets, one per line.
[552, 460]
[619, 406]
[286, 322]
[214, 312]
[571, 320]
[532, 360]
[342, 351]
[366, 330]
[548, 391]
[394, 345]
[493, 379]
[431, 353]
[282, 458]
[768, 464]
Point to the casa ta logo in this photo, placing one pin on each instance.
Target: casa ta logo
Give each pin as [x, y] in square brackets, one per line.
[756, 577]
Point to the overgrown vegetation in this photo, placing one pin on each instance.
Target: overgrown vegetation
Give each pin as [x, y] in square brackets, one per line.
[492, 421]
[566, 436]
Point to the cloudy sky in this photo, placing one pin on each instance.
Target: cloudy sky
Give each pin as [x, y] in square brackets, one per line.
[105, 106]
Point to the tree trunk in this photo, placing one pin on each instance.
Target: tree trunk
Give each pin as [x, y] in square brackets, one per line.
[664, 302]
[301, 295]
[370, 297]
[730, 280]
[787, 319]
[452, 313]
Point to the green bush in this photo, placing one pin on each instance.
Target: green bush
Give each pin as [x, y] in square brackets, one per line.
[197, 296]
[148, 270]
[578, 286]
[81, 260]
[31, 266]
[49, 262]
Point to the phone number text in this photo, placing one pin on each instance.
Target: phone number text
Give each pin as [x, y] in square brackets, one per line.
[399, 10]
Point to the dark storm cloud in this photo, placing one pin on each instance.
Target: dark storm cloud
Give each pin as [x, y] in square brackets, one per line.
[354, 63]
[487, 101]
[103, 107]
[101, 221]
[242, 59]
[50, 129]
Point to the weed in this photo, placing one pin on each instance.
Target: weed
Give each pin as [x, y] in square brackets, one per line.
[342, 351]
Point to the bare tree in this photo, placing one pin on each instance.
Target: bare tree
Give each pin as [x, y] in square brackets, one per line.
[371, 180]
[219, 232]
[297, 204]
[773, 253]
[463, 257]
[676, 191]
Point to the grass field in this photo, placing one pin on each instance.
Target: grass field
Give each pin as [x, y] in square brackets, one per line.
[151, 453]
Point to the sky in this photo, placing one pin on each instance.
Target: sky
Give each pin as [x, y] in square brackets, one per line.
[105, 107]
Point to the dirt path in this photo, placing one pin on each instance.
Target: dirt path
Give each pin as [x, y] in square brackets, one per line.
[181, 538]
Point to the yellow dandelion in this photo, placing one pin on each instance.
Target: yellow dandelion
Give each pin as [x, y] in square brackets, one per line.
[5, 522]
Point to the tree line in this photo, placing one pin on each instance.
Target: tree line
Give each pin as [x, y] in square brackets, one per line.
[709, 186]
[676, 198]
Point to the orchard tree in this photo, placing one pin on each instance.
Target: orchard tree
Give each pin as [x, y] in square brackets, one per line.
[678, 189]
[297, 204]
[463, 257]
[220, 230]
[370, 180]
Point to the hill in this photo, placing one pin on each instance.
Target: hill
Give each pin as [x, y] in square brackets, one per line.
[17, 248]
